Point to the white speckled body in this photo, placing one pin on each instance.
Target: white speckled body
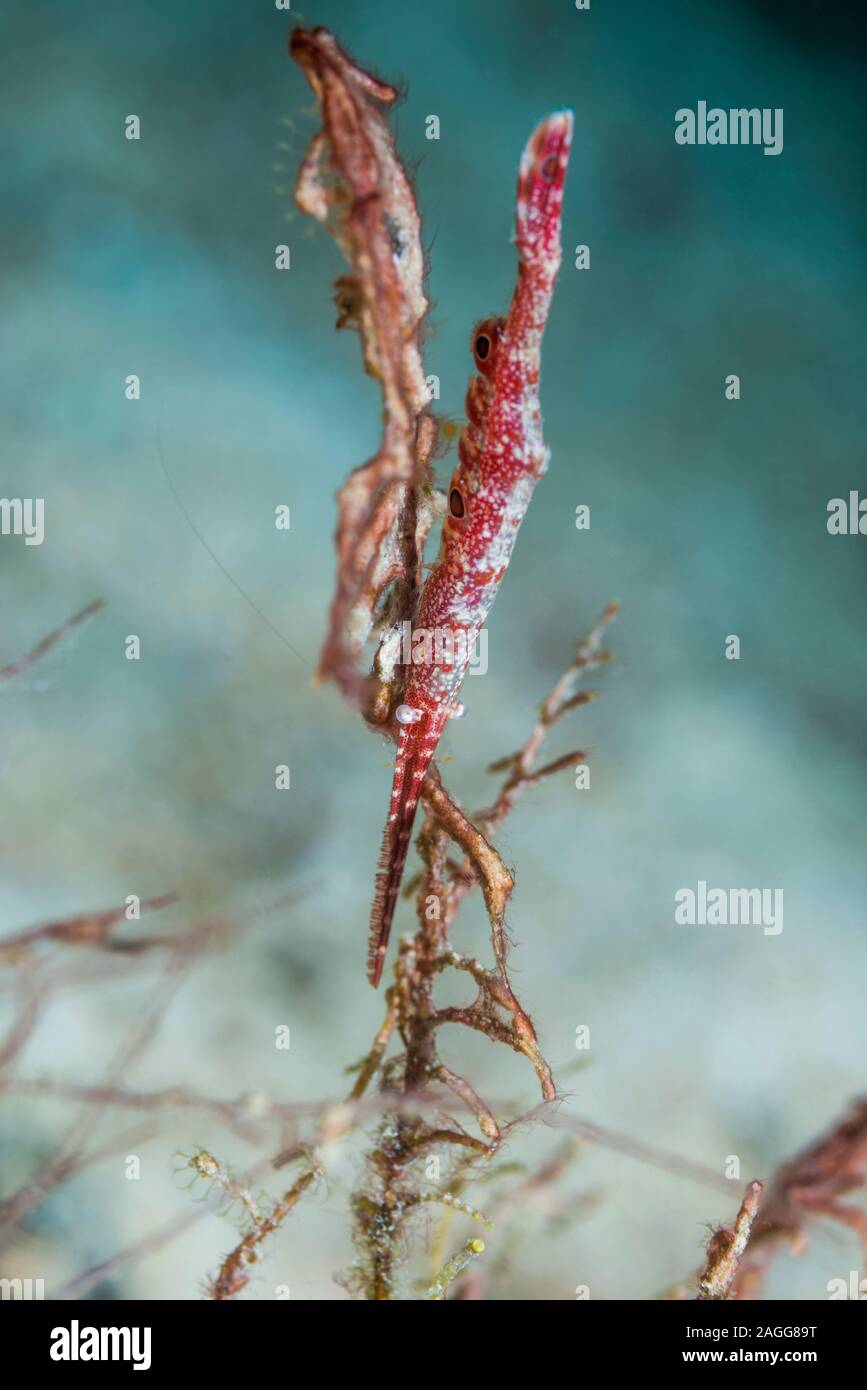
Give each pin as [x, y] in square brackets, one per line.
[501, 457]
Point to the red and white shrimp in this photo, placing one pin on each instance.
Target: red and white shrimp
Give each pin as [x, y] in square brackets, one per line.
[501, 458]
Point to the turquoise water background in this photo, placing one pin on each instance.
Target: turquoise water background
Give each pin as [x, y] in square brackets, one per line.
[708, 518]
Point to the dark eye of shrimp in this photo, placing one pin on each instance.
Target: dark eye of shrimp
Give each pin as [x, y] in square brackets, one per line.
[456, 503]
[485, 344]
[549, 168]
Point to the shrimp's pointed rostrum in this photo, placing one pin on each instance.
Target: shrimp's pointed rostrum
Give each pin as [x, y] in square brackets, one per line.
[501, 457]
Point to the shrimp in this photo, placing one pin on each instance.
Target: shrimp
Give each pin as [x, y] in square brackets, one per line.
[501, 457]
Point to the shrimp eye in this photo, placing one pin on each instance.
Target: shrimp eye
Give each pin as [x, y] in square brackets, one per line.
[549, 168]
[456, 503]
[485, 340]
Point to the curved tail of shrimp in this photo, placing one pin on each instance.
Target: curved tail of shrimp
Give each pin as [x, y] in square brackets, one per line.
[415, 749]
